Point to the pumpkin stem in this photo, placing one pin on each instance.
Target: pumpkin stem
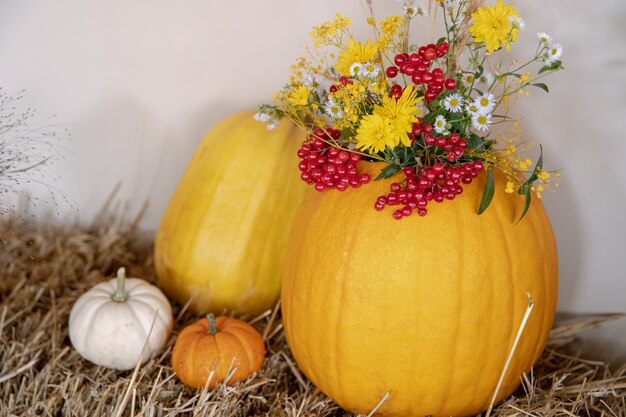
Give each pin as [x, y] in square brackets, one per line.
[120, 295]
[212, 325]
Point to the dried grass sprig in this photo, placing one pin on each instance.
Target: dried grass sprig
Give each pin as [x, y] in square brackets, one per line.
[28, 147]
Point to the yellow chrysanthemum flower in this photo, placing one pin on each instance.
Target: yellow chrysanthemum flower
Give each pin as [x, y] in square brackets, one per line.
[355, 52]
[402, 113]
[492, 25]
[299, 95]
[375, 133]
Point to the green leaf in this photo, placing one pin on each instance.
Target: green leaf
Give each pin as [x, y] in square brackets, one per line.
[347, 132]
[475, 142]
[552, 67]
[542, 86]
[430, 117]
[387, 172]
[538, 167]
[525, 190]
[487, 193]
[480, 71]
[443, 38]
[539, 164]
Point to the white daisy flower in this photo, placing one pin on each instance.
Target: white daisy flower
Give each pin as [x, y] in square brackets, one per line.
[481, 121]
[272, 124]
[369, 70]
[421, 10]
[440, 124]
[485, 102]
[409, 11]
[314, 83]
[333, 110]
[262, 117]
[471, 108]
[486, 78]
[453, 103]
[544, 38]
[355, 69]
[554, 53]
[413, 11]
[517, 22]
[468, 79]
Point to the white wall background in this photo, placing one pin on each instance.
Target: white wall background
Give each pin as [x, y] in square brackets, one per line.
[142, 81]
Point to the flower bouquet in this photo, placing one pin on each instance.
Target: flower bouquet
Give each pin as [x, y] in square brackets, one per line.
[429, 110]
[434, 315]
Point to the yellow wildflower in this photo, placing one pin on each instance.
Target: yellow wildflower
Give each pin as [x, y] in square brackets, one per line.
[511, 150]
[524, 77]
[341, 22]
[375, 133]
[523, 165]
[492, 25]
[379, 86]
[544, 175]
[325, 33]
[299, 95]
[402, 113]
[391, 25]
[355, 52]
[510, 187]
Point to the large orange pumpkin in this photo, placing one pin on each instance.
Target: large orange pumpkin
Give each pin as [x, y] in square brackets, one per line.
[425, 308]
[223, 237]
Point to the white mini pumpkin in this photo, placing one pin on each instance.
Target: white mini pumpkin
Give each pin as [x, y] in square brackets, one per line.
[109, 324]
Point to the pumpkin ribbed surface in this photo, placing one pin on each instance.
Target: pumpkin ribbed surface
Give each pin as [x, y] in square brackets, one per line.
[223, 237]
[236, 347]
[425, 308]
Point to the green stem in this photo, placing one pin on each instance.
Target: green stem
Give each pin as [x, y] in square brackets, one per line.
[511, 72]
[212, 325]
[120, 294]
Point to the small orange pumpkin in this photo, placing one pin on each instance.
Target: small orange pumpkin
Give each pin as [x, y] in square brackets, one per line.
[216, 344]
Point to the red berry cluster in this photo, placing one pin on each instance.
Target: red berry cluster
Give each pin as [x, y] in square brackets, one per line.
[418, 128]
[327, 166]
[417, 65]
[437, 183]
[454, 145]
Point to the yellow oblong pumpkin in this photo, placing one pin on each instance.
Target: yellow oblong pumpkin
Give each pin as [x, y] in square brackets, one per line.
[223, 236]
[424, 308]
